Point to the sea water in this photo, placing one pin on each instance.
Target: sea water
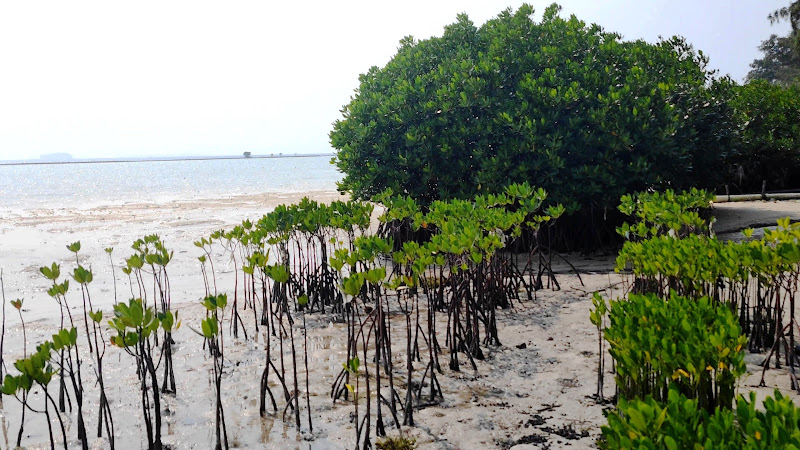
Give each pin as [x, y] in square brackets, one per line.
[87, 184]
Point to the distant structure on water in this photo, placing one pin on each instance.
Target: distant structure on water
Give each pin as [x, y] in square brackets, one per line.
[248, 154]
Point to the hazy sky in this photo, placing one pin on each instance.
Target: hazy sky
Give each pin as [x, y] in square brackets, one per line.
[146, 78]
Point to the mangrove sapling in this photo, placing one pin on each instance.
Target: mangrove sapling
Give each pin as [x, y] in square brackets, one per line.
[136, 327]
[249, 268]
[205, 245]
[68, 340]
[151, 251]
[83, 277]
[280, 300]
[366, 422]
[108, 251]
[303, 303]
[338, 389]
[281, 275]
[403, 302]
[546, 263]
[351, 287]
[598, 316]
[231, 241]
[258, 263]
[203, 260]
[252, 242]
[369, 284]
[35, 369]
[133, 268]
[383, 348]
[210, 326]
[351, 367]
[58, 292]
[104, 413]
[17, 304]
[278, 313]
[421, 258]
[319, 226]
[358, 285]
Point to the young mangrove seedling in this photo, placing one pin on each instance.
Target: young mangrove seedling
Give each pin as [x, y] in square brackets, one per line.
[17, 304]
[281, 275]
[136, 328]
[37, 370]
[82, 277]
[351, 367]
[58, 292]
[152, 252]
[273, 320]
[205, 245]
[104, 412]
[231, 241]
[597, 317]
[67, 340]
[211, 326]
[302, 301]
[110, 250]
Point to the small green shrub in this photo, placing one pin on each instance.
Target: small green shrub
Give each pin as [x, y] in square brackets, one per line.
[680, 424]
[688, 344]
[665, 213]
[649, 424]
[777, 426]
[743, 275]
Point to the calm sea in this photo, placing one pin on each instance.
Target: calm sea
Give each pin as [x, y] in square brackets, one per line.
[89, 184]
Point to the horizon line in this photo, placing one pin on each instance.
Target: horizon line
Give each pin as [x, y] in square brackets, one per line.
[35, 162]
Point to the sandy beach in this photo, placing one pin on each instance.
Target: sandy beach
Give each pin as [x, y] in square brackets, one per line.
[534, 391]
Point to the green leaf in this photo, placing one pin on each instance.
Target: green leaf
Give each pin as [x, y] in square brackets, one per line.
[302, 300]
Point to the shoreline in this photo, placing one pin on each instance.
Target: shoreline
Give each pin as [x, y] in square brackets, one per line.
[37, 237]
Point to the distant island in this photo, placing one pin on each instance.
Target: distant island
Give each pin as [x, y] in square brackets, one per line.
[56, 157]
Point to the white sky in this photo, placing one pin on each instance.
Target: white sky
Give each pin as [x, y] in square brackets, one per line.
[166, 78]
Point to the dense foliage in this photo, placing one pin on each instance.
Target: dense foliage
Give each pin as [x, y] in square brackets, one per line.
[678, 349]
[792, 14]
[568, 106]
[665, 213]
[679, 423]
[780, 63]
[756, 278]
[681, 342]
[769, 149]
